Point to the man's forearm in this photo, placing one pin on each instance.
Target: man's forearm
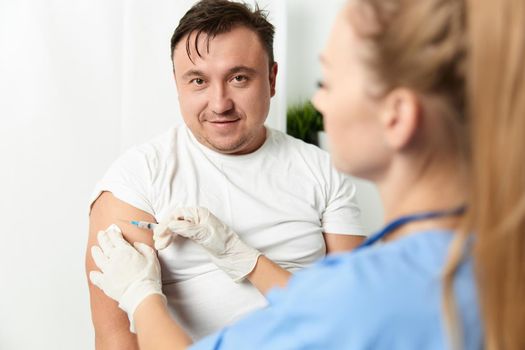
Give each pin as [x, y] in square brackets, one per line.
[338, 243]
[268, 274]
[111, 323]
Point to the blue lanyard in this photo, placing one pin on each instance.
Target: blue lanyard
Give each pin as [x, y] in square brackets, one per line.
[388, 229]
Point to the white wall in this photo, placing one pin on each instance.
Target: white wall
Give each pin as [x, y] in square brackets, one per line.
[80, 80]
[309, 24]
[59, 95]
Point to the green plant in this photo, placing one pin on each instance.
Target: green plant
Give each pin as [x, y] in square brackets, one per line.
[303, 121]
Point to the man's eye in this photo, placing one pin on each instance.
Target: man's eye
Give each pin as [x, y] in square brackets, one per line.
[240, 78]
[320, 84]
[197, 81]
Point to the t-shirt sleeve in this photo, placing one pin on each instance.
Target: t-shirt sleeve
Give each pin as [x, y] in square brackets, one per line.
[342, 214]
[129, 179]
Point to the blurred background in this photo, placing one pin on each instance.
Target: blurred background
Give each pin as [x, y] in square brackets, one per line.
[80, 82]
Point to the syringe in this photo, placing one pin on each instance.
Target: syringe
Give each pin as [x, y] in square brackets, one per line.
[144, 224]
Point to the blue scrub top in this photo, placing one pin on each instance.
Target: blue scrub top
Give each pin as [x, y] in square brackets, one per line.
[388, 296]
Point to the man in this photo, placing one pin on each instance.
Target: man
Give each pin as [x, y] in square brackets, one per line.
[280, 195]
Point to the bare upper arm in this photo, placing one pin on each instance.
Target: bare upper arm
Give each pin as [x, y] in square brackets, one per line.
[341, 243]
[111, 323]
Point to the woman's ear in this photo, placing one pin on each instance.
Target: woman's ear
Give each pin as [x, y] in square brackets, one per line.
[401, 117]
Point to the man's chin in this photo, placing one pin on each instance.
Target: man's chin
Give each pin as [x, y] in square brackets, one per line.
[235, 143]
[231, 147]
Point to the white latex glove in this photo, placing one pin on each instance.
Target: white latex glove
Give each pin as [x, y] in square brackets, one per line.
[129, 274]
[226, 249]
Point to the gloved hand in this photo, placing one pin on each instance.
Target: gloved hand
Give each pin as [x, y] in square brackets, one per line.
[128, 274]
[226, 249]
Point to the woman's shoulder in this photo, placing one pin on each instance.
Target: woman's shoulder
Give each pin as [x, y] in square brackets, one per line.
[393, 289]
[422, 253]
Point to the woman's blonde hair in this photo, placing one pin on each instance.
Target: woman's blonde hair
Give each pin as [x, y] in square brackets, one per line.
[470, 53]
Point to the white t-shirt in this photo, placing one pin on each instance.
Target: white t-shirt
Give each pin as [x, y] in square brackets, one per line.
[279, 199]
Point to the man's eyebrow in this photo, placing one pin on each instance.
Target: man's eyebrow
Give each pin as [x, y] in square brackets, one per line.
[237, 69]
[242, 69]
[192, 73]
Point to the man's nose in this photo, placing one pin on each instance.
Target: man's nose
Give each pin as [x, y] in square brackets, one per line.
[220, 100]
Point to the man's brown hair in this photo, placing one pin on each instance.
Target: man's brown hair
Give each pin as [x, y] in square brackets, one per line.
[214, 17]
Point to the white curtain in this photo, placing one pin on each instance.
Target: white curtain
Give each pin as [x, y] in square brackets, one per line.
[80, 81]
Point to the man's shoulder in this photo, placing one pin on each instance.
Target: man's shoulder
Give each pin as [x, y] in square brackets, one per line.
[162, 145]
[289, 143]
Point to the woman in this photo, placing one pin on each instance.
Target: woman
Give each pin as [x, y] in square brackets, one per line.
[425, 98]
